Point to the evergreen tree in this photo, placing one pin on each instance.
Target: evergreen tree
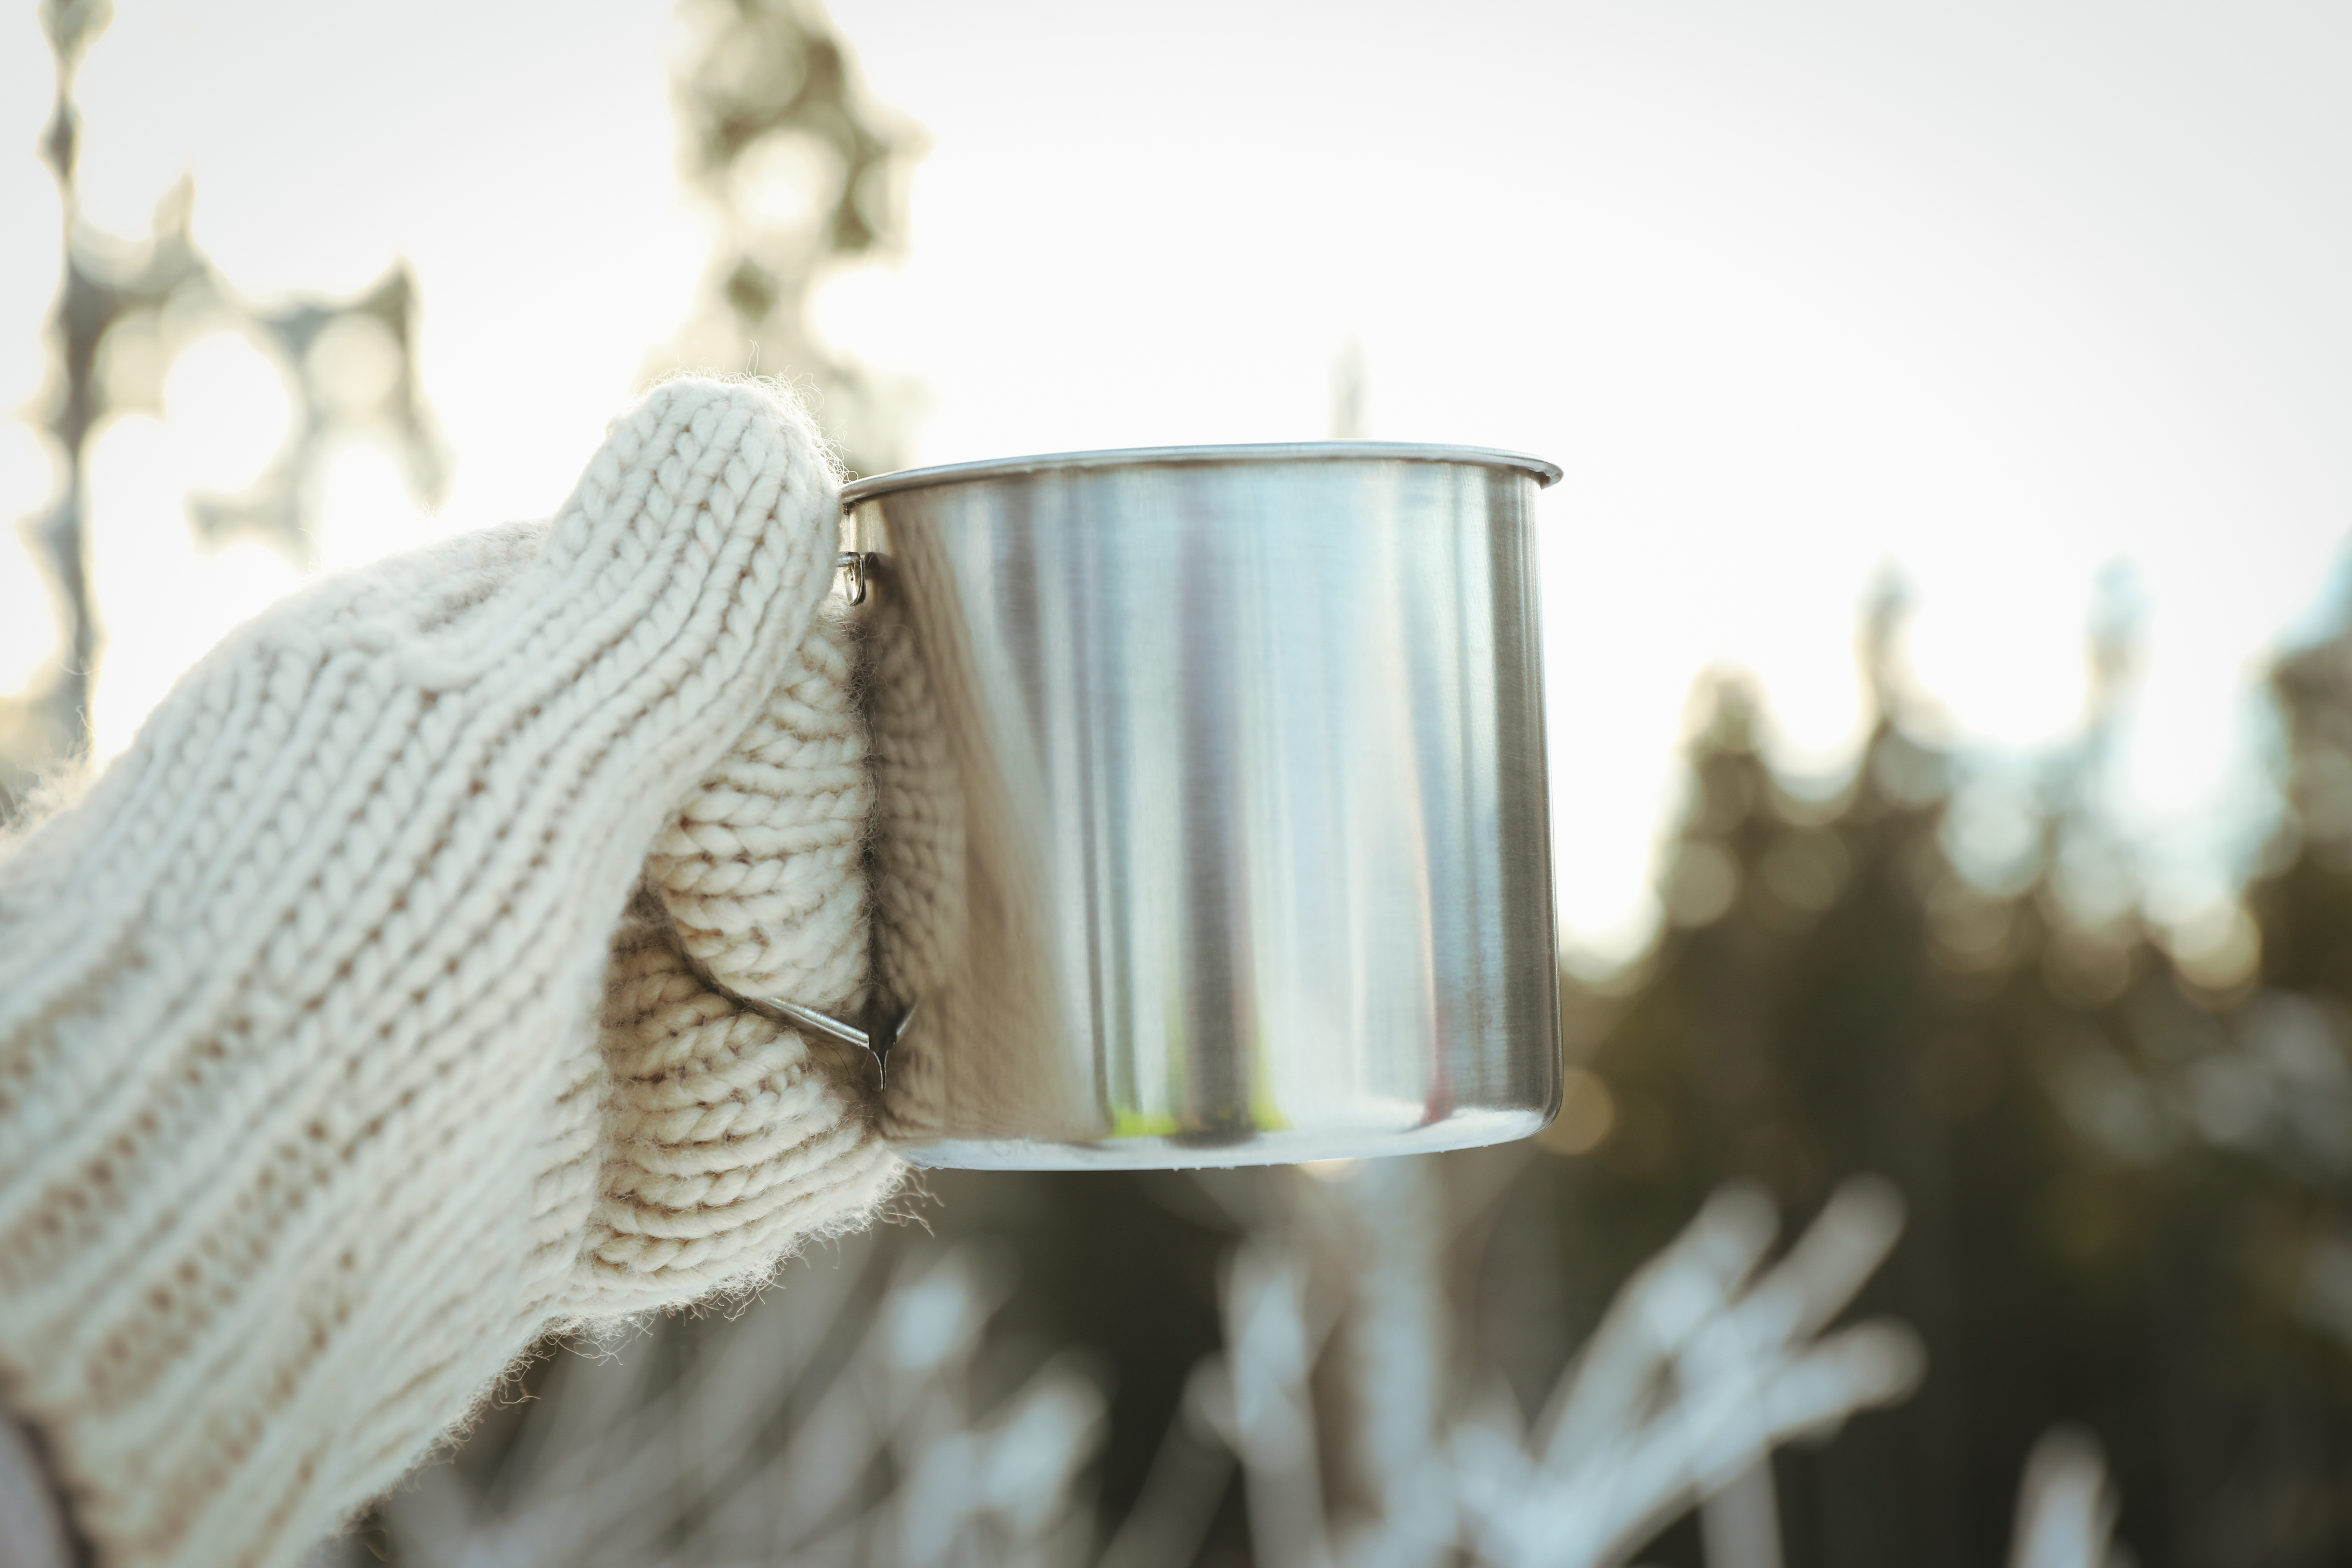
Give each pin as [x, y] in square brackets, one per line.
[2126, 1169]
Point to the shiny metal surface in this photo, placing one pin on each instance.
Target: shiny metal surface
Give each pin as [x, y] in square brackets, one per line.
[852, 564]
[1210, 805]
[874, 1041]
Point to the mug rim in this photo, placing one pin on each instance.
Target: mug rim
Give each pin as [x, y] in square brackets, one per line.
[1543, 472]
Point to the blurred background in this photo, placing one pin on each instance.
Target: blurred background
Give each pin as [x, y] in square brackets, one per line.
[1950, 696]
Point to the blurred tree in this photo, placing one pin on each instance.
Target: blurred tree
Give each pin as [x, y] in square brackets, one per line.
[123, 312]
[2304, 908]
[801, 172]
[2126, 1164]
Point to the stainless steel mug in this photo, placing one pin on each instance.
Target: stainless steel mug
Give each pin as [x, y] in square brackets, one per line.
[1210, 805]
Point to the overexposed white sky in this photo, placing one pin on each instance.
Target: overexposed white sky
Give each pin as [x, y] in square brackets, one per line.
[1993, 296]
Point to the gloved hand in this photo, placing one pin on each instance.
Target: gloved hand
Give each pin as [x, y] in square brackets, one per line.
[337, 1063]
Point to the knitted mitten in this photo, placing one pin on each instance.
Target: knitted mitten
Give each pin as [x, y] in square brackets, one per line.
[336, 1062]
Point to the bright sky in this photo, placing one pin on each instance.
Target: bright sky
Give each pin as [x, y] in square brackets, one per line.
[1993, 295]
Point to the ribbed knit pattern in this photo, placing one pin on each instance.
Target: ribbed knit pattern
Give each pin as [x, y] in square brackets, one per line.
[724, 1145]
[335, 1065]
[763, 865]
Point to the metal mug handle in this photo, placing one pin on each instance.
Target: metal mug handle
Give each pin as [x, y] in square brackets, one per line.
[884, 1034]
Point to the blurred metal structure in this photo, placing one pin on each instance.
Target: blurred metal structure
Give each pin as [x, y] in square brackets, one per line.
[1212, 823]
[123, 311]
[801, 170]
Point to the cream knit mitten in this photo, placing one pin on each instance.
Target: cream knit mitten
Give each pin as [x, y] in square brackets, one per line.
[345, 1048]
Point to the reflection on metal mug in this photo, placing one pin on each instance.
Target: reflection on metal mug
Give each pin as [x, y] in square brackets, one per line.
[1210, 805]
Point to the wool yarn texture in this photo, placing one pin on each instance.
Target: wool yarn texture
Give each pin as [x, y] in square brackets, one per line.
[346, 1042]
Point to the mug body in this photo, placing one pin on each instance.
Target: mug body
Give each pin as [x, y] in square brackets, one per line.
[1210, 822]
